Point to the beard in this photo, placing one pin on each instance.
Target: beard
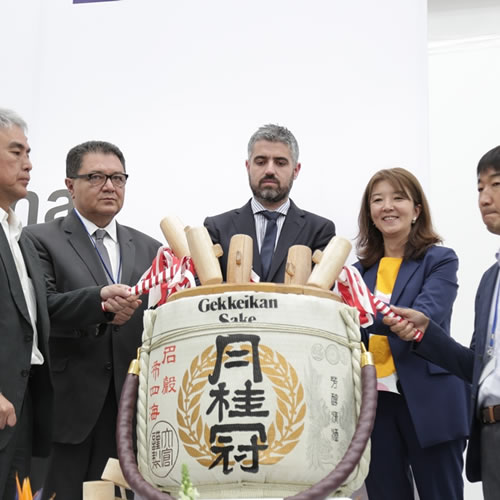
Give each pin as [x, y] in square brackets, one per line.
[271, 194]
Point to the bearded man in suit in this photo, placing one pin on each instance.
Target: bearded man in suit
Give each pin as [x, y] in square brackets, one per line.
[26, 394]
[271, 218]
[89, 247]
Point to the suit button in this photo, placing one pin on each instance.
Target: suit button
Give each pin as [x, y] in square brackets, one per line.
[116, 329]
[25, 373]
[28, 338]
[108, 365]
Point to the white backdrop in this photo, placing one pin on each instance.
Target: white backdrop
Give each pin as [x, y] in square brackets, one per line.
[181, 86]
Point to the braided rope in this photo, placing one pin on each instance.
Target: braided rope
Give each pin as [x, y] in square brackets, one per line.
[215, 329]
[142, 409]
[124, 443]
[331, 482]
[350, 320]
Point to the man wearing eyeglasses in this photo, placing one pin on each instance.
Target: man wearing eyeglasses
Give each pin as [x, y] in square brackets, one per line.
[86, 247]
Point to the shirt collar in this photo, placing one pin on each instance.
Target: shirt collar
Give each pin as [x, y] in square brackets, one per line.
[3, 215]
[13, 221]
[91, 227]
[258, 207]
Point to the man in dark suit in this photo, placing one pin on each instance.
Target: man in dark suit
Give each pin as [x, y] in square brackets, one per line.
[88, 247]
[271, 218]
[479, 364]
[26, 395]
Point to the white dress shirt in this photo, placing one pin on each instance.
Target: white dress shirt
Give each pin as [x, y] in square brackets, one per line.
[110, 242]
[261, 221]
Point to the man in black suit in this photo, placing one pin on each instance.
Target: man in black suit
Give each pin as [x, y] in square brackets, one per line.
[89, 365]
[271, 218]
[480, 364]
[26, 395]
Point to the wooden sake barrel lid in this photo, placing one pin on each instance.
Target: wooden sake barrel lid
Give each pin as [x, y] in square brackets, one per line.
[255, 287]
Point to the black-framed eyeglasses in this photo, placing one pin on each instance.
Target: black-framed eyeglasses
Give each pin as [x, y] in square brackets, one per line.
[98, 179]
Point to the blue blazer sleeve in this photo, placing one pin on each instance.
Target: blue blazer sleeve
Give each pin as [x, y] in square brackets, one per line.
[437, 346]
[463, 362]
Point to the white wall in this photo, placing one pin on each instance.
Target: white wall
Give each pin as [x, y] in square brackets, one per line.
[181, 86]
[464, 83]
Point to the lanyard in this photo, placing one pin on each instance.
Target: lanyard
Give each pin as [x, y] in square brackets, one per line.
[109, 272]
[491, 345]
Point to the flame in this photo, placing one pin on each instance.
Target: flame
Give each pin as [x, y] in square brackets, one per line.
[25, 492]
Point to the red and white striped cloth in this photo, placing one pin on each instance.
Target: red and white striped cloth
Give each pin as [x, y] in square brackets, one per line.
[167, 275]
[356, 294]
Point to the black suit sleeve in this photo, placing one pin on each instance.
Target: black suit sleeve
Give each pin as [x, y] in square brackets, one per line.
[209, 223]
[77, 308]
[325, 233]
[439, 348]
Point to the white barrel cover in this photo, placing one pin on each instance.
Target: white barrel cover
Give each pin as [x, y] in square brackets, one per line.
[257, 392]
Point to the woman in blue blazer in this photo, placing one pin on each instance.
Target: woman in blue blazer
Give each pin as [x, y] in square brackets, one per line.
[421, 423]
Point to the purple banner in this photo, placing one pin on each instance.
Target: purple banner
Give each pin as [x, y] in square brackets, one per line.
[92, 1]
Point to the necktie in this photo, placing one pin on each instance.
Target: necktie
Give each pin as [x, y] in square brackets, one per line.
[103, 253]
[267, 248]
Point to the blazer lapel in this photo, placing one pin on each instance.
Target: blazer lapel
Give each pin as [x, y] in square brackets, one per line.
[406, 271]
[80, 241]
[294, 222]
[370, 277]
[32, 261]
[127, 254]
[487, 295]
[15, 286]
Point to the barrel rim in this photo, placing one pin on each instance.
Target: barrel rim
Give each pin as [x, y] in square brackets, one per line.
[255, 287]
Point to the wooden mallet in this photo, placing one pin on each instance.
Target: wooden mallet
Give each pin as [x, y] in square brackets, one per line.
[205, 255]
[240, 259]
[174, 231]
[329, 263]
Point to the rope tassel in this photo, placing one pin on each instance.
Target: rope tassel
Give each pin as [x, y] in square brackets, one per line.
[167, 275]
[356, 294]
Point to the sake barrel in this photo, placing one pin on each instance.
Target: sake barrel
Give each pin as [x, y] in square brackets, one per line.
[256, 388]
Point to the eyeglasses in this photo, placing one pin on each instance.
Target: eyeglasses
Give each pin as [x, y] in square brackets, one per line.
[98, 179]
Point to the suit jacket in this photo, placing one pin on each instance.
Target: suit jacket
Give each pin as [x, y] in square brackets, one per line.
[300, 228]
[85, 359]
[437, 400]
[466, 363]
[16, 337]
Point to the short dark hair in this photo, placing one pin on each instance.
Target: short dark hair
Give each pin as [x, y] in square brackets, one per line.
[491, 159]
[370, 242]
[75, 155]
[275, 133]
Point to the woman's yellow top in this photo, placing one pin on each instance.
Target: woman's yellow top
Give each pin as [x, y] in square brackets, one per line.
[387, 376]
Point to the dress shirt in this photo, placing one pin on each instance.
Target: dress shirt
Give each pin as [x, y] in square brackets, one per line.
[12, 228]
[110, 242]
[261, 221]
[489, 388]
